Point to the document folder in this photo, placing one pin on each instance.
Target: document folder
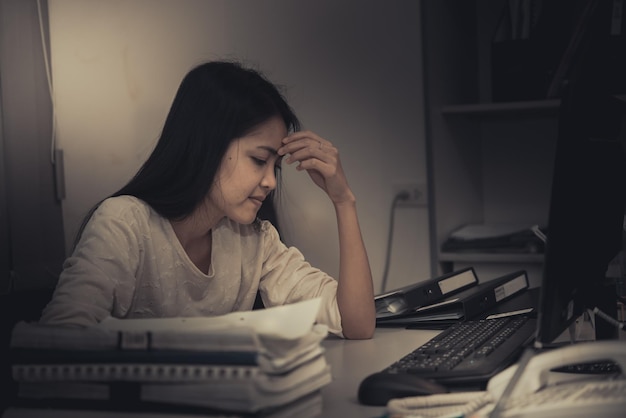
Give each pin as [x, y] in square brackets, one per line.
[466, 304]
[400, 302]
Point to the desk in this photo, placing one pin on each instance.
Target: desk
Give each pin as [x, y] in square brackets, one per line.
[350, 361]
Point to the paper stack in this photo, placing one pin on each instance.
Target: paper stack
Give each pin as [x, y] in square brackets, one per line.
[258, 363]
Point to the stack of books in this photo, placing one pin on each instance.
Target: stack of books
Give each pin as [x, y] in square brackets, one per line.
[259, 363]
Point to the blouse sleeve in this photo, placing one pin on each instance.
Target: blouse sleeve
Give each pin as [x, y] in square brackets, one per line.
[288, 278]
[100, 274]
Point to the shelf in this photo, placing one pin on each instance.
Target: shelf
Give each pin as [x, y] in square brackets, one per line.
[530, 107]
[491, 258]
[547, 107]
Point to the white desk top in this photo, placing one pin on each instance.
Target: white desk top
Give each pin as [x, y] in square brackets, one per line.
[352, 360]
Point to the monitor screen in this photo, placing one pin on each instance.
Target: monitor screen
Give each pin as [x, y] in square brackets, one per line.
[585, 221]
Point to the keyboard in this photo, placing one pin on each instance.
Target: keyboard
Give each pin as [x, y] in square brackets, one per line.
[469, 352]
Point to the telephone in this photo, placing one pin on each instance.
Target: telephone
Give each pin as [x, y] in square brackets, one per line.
[532, 388]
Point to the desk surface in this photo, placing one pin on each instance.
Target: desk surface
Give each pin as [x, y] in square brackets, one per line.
[350, 361]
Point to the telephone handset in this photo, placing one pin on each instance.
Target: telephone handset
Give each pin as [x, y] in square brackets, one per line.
[536, 389]
[538, 372]
[539, 389]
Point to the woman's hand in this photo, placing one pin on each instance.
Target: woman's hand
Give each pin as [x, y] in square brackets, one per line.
[355, 292]
[321, 161]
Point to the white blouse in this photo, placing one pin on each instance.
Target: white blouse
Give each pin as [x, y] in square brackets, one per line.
[130, 264]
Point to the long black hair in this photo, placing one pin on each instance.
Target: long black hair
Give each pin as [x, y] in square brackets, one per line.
[216, 103]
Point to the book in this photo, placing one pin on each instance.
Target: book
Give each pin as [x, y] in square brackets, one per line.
[235, 331]
[276, 321]
[309, 406]
[271, 335]
[242, 362]
[53, 366]
[466, 304]
[399, 302]
[243, 389]
[271, 355]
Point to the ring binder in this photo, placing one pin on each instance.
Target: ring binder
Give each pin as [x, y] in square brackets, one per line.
[400, 302]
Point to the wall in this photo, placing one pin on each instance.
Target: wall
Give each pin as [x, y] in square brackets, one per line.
[351, 69]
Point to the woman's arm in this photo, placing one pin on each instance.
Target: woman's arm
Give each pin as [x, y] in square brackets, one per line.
[355, 292]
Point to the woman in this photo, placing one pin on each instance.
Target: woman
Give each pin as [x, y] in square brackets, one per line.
[182, 238]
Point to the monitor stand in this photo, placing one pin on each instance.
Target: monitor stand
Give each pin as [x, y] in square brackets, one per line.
[591, 326]
[606, 301]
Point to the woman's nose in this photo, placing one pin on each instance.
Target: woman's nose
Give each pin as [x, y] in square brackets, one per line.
[269, 178]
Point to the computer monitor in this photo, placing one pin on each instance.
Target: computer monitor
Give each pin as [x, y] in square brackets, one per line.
[585, 221]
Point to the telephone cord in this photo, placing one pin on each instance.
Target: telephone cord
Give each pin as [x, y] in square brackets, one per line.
[440, 405]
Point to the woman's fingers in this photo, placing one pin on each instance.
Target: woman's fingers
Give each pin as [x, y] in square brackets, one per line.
[320, 158]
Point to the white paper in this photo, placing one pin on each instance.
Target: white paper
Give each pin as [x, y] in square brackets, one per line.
[480, 231]
[287, 321]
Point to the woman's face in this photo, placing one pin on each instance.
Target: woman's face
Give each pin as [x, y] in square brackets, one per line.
[247, 172]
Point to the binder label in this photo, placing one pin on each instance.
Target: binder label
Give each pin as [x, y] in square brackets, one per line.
[511, 287]
[457, 281]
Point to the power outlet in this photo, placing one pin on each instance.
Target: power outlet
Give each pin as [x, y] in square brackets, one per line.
[415, 192]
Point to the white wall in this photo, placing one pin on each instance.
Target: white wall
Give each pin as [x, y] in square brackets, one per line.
[351, 69]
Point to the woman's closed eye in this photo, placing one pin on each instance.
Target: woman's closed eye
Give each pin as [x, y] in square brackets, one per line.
[259, 161]
[262, 162]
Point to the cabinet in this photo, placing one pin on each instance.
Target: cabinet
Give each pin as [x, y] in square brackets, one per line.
[488, 162]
